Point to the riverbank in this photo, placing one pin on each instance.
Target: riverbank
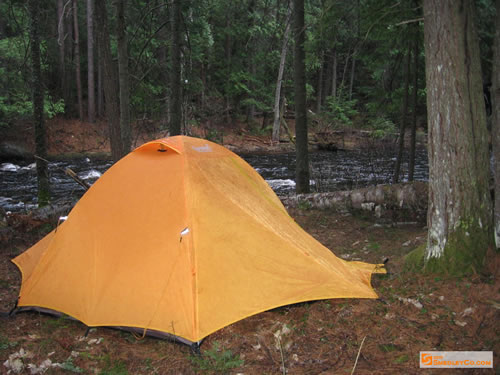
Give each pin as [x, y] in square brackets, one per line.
[68, 138]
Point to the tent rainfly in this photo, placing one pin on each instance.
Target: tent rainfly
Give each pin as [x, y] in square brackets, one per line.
[181, 238]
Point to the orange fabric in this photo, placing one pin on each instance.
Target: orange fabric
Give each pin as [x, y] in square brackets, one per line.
[181, 236]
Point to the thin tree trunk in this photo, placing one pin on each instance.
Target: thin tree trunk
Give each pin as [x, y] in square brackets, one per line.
[40, 134]
[100, 89]
[459, 214]
[413, 134]
[302, 155]
[334, 74]
[319, 96]
[279, 81]
[351, 81]
[90, 62]
[404, 114]
[495, 126]
[61, 43]
[77, 60]
[109, 81]
[121, 34]
[344, 74]
[176, 99]
[227, 48]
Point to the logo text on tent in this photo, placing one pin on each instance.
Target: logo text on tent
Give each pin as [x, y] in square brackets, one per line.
[204, 148]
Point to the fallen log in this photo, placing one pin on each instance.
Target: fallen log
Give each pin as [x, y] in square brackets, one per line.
[398, 202]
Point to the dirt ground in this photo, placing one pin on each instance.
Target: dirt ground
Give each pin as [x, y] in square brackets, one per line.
[414, 313]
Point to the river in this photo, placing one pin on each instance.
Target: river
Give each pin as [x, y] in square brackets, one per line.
[330, 171]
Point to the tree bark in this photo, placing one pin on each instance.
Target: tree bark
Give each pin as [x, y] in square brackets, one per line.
[459, 215]
[302, 155]
[319, 90]
[77, 60]
[37, 87]
[495, 126]
[404, 114]
[121, 33]
[334, 74]
[279, 81]
[60, 42]
[109, 80]
[100, 90]
[413, 134]
[175, 80]
[90, 62]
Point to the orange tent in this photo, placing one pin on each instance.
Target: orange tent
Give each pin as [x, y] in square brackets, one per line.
[181, 237]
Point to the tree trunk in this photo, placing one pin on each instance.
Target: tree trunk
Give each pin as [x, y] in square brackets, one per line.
[413, 134]
[77, 60]
[279, 81]
[175, 80]
[495, 126]
[404, 114]
[351, 81]
[319, 96]
[459, 215]
[121, 35]
[60, 42]
[109, 81]
[37, 86]
[302, 164]
[90, 62]
[100, 90]
[334, 74]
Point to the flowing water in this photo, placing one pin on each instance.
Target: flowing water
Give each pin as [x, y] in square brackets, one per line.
[330, 171]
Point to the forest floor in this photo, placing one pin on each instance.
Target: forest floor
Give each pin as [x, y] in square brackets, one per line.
[414, 312]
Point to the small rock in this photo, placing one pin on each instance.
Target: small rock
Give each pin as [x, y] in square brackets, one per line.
[407, 243]
[459, 323]
[257, 347]
[295, 357]
[441, 298]
[390, 316]
[467, 311]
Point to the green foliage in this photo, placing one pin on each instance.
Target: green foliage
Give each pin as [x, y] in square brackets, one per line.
[6, 344]
[382, 127]
[216, 360]
[68, 365]
[341, 110]
[113, 367]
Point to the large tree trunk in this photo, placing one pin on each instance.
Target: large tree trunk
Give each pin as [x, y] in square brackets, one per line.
[175, 80]
[121, 34]
[37, 86]
[90, 61]
[109, 80]
[459, 215]
[279, 81]
[495, 126]
[302, 164]
[77, 60]
[413, 133]
[404, 114]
